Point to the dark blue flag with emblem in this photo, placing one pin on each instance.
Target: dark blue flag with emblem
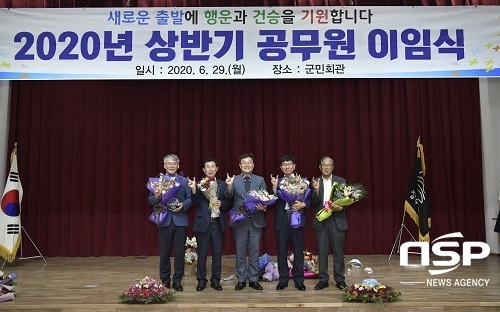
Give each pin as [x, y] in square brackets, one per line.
[416, 201]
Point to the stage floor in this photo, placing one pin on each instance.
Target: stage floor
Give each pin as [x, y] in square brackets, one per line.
[94, 283]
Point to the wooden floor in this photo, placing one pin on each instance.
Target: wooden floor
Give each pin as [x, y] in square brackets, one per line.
[94, 283]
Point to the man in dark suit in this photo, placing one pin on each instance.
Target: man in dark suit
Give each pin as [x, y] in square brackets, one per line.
[285, 233]
[247, 233]
[173, 230]
[209, 225]
[329, 232]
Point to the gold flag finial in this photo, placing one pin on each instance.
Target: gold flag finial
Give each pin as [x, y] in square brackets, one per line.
[14, 152]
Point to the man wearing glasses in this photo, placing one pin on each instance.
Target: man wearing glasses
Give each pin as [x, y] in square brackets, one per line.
[247, 233]
[329, 232]
[285, 232]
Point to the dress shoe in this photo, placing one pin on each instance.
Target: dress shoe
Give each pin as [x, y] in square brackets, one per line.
[240, 286]
[255, 285]
[216, 285]
[281, 286]
[177, 286]
[167, 284]
[341, 285]
[321, 285]
[300, 286]
[200, 286]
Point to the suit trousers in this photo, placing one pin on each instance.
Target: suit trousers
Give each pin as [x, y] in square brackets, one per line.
[167, 236]
[330, 235]
[212, 237]
[283, 237]
[247, 237]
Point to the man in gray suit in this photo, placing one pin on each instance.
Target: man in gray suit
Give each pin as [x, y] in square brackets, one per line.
[173, 230]
[329, 232]
[248, 232]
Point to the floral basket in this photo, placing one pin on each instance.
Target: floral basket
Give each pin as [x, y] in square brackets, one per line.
[370, 290]
[147, 290]
[191, 256]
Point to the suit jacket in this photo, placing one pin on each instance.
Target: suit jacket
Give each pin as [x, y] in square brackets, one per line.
[184, 196]
[202, 219]
[338, 216]
[238, 193]
[280, 212]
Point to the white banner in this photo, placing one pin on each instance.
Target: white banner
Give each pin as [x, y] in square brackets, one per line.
[250, 42]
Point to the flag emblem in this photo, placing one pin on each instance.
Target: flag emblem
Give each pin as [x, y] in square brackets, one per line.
[10, 203]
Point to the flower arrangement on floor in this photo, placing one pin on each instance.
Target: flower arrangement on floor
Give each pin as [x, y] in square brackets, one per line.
[191, 256]
[6, 286]
[147, 290]
[370, 290]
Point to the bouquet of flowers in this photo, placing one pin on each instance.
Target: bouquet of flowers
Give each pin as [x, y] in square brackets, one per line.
[255, 197]
[311, 269]
[310, 265]
[191, 256]
[249, 206]
[169, 187]
[208, 186]
[147, 290]
[293, 188]
[342, 194]
[370, 290]
[6, 286]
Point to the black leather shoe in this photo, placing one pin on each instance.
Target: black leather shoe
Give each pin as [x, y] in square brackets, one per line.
[216, 286]
[240, 286]
[281, 286]
[300, 286]
[341, 285]
[321, 285]
[255, 285]
[167, 284]
[177, 286]
[200, 286]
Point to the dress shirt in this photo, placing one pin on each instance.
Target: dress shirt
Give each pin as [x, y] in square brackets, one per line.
[327, 189]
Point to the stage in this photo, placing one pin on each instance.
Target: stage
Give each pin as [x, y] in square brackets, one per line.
[94, 283]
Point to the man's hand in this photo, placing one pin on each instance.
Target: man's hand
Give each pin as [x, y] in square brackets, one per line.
[179, 208]
[274, 183]
[298, 205]
[315, 185]
[261, 207]
[229, 180]
[336, 207]
[192, 184]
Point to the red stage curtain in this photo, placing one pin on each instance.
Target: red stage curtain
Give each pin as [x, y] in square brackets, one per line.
[86, 149]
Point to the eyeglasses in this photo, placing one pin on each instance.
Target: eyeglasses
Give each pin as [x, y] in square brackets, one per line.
[326, 165]
[247, 162]
[287, 164]
[171, 163]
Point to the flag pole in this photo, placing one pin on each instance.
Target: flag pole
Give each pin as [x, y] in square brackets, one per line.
[397, 242]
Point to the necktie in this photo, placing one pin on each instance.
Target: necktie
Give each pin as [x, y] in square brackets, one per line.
[247, 184]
